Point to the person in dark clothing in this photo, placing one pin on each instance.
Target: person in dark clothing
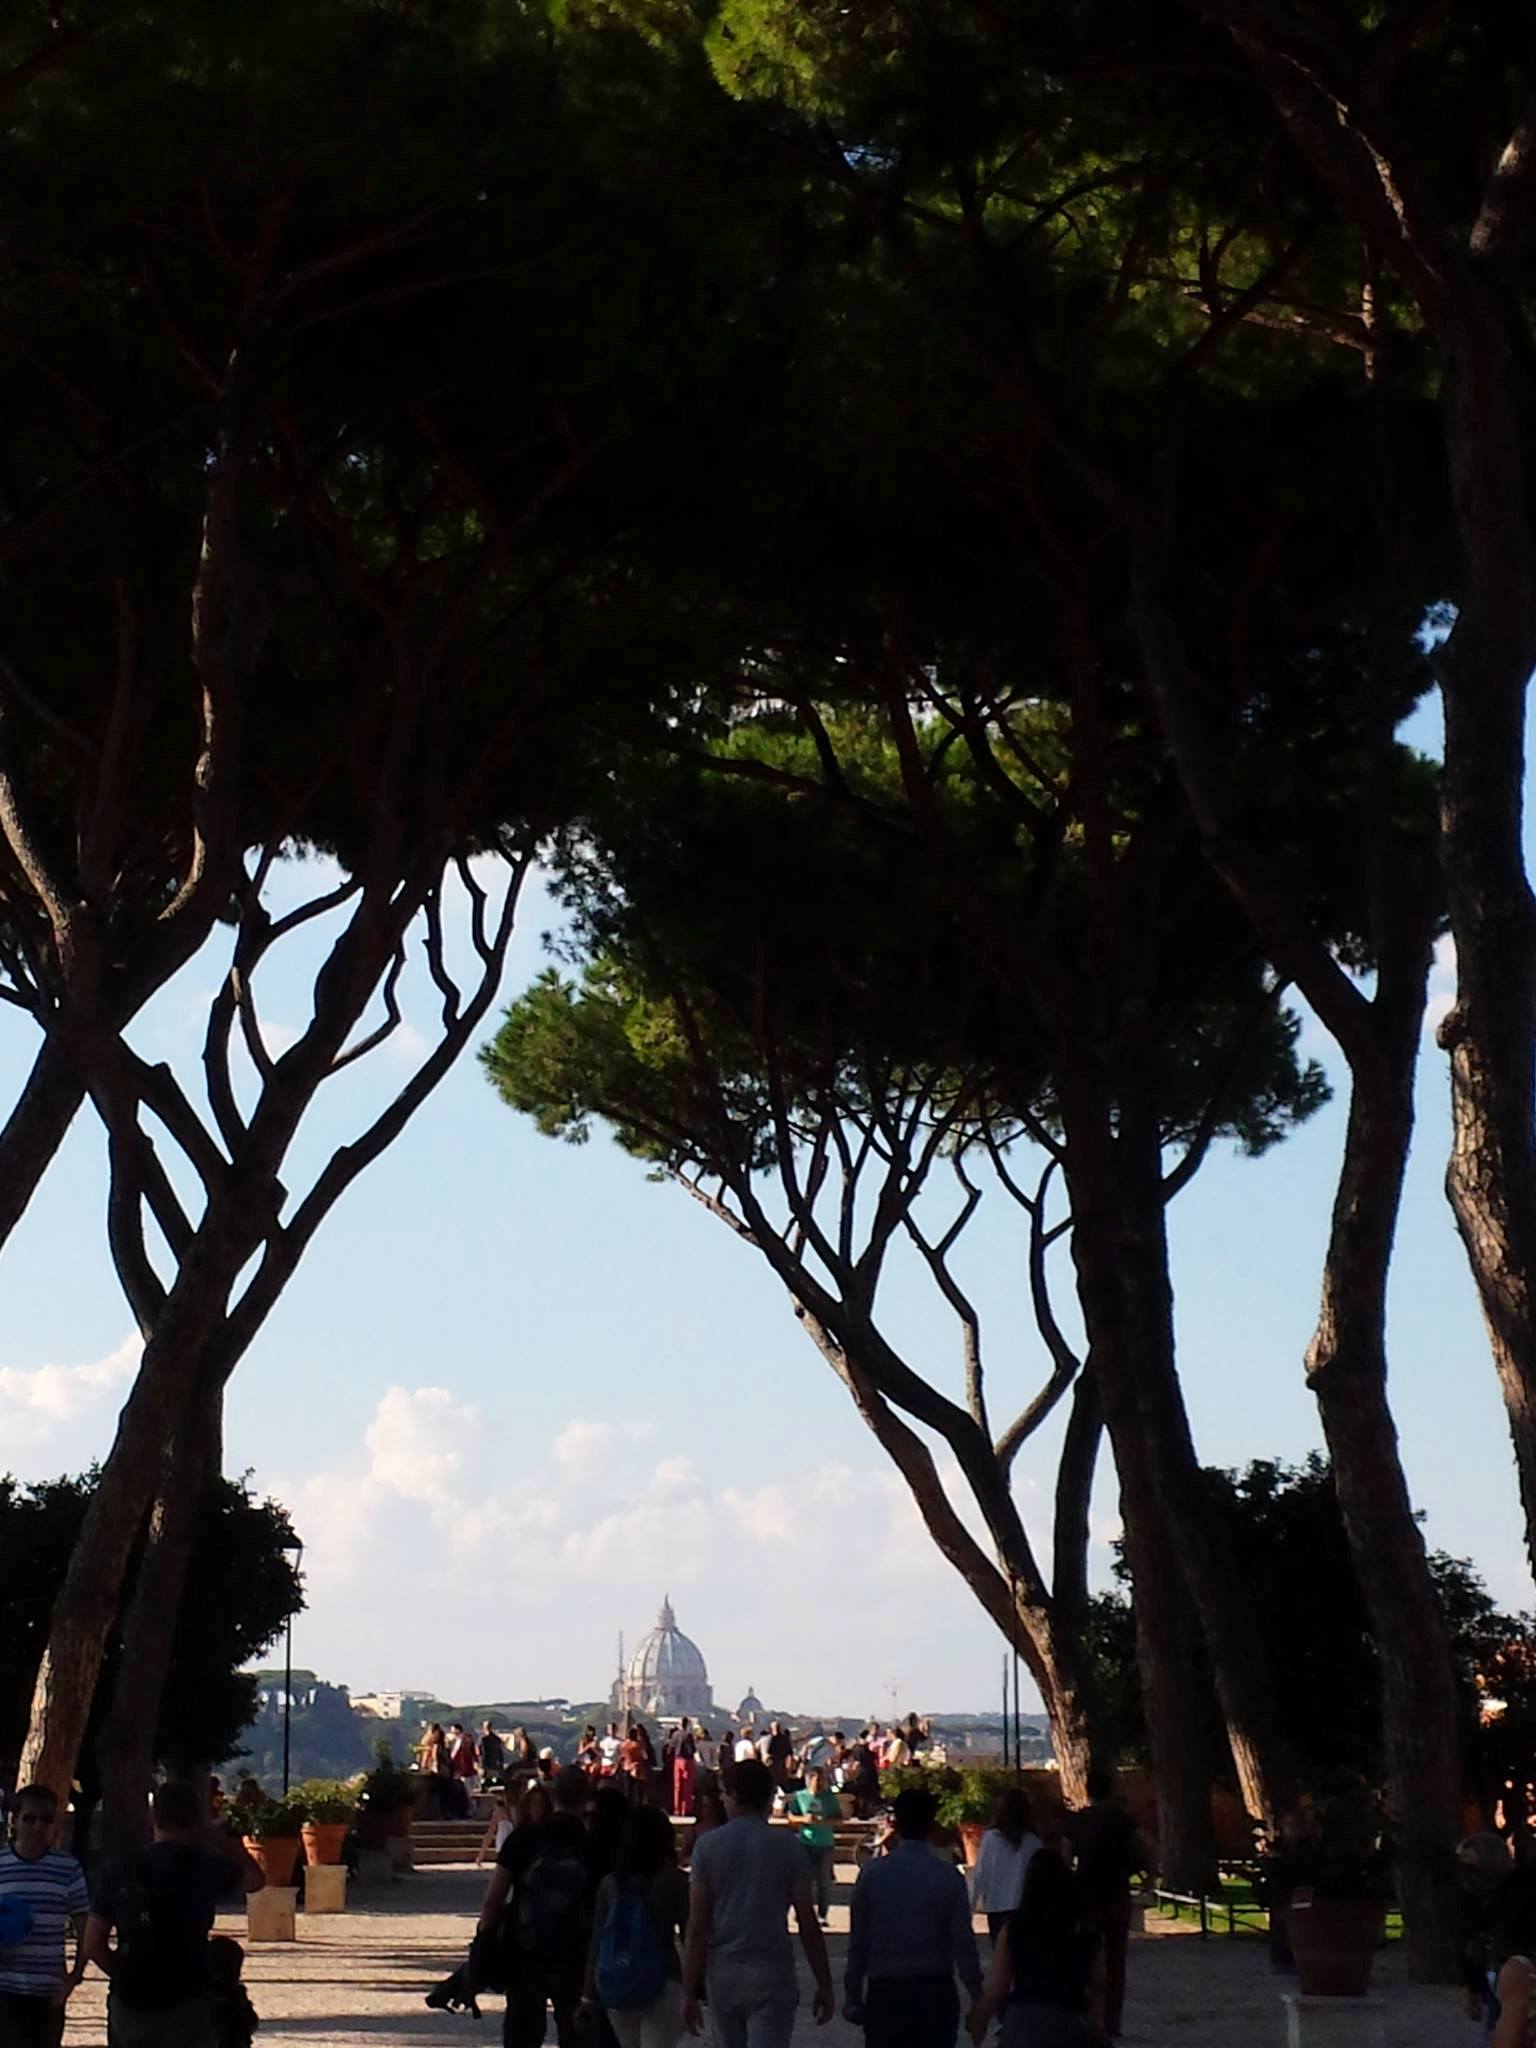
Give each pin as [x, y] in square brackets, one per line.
[909, 1936]
[540, 1900]
[1108, 1851]
[493, 1755]
[234, 2016]
[161, 1905]
[1045, 1977]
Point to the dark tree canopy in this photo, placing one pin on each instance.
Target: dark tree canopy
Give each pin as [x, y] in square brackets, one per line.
[241, 1589]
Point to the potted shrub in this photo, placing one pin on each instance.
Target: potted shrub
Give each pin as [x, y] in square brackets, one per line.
[967, 1808]
[1340, 1881]
[274, 1838]
[384, 1804]
[330, 1806]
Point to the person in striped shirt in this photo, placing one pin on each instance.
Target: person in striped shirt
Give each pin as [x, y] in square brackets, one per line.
[42, 1891]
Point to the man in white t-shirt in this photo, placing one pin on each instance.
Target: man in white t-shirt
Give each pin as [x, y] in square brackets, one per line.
[608, 1750]
[746, 1747]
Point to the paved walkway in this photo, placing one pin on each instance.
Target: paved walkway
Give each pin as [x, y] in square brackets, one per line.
[361, 1977]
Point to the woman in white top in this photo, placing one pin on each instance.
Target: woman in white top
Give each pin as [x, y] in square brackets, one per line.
[997, 1883]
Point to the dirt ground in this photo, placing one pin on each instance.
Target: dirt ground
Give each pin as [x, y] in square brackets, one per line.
[359, 1977]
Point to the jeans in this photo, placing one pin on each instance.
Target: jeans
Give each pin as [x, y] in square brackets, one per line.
[188, 2025]
[752, 2008]
[821, 1880]
[658, 2025]
[529, 1994]
[1045, 2026]
[28, 2022]
[911, 2012]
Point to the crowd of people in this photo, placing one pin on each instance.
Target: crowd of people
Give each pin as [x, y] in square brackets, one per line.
[676, 1769]
[588, 1914]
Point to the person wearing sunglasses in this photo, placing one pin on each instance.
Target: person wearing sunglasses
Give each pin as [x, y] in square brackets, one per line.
[43, 1899]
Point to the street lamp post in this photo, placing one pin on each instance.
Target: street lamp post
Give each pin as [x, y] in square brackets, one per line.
[296, 1550]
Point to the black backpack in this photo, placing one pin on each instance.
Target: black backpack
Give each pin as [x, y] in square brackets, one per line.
[549, 1911]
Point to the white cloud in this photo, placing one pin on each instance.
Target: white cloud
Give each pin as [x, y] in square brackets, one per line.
[416, 1443]
[39, 1404]
[522, 1557]
[585, 1445]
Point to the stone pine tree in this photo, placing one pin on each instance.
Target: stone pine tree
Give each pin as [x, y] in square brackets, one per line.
[1419, 131]
[784, 1009]
[335, 414]
[1185, 258]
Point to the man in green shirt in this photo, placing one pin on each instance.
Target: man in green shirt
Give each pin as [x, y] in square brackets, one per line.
[818, 1806]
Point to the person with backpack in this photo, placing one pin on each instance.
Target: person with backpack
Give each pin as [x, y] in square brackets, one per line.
[538, 1907]
[160, 1905]
[634, 1969]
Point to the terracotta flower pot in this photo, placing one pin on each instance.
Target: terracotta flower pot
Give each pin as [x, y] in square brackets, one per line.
[324, 1840]
[276, 1856]
[1334, 1942]
[970, 1833]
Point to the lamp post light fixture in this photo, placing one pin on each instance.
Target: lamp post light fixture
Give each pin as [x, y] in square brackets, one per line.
[295, 1550]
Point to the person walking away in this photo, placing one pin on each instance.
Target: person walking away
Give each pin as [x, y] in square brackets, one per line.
[633, 1966]
[747, 1876]
[684, 1768]
[1108, 1851]
[437, 1771]
[1046, 1977]
[493, 1755]
[1007, 1849]
[42, 1900]
[160, 1905]
[909, 1937]
[818, 1808]
[746, 1747]
[540, 1899]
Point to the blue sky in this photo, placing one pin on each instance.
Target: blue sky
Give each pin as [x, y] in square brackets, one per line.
[517, 1392]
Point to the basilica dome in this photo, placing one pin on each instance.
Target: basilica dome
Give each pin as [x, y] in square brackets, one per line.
[666, 1676]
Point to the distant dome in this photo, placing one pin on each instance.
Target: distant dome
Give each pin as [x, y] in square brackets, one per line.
[666, 1676]
[751, 1708]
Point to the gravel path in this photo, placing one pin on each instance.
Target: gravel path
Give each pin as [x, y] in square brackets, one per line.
[360, 1977]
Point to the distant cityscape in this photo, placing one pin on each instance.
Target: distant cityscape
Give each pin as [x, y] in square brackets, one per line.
[335, 1732]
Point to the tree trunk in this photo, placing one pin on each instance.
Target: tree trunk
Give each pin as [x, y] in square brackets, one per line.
[1119, 1242]
[1347, 1370]
[87, 1605]
[126, 1746]
[1490, 1032]
[1074, 1497]
[36, 1128]
[1007, 1587]
[1171, 1699]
